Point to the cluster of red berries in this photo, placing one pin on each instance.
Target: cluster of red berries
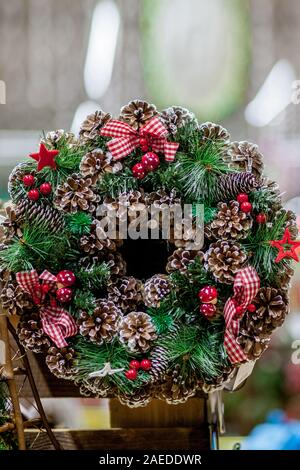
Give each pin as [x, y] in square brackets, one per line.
[246, 206]
[239, 310]
[208, 296]
[64, 279]
[34, 194]
[131, 374]
[149, 162]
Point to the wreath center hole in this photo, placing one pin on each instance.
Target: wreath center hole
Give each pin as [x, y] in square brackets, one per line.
[144, 258]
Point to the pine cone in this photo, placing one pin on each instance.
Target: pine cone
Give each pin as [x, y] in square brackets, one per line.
[245, 156]
[15, 181]
[253, 346]
[230, 222]
[175, 117]
[217, 383]
[126, 293]
[41, 213]
[31, 334]
[54, 138]
[96, 387]
[181, 259]
[137, 113]
[95, 241]
[90, 128]
[97, 162]
[175, 389]
[159, 358]
[137, 332]
[231, 184]
[271, 308]
[76, 193]
[61, 362]
[215, 133]
[11, 224]
[13, 299]
[102, 325]
[140, 397]
[224, 259]
[156, 289]
[116, 264]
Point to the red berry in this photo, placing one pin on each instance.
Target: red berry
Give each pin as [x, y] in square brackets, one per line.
[64, 294]
[144, 144]
[246, 207]
[261, 218]
[208, 293]
[146, 364]
[242, 197]
[139, 171]
[134, 364]
[66, 278]
[131, 374]
[208, 310]
[28, 180]
[239, 311]
[150, 161]
[251, 308]
[45, 288]
[46, 189]
[33, 194]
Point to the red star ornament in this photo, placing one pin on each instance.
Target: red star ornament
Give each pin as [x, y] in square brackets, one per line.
[284, 252]
[45, 157]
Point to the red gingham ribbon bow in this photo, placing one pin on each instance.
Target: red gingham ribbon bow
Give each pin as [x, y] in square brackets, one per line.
[57, 323]
[245, 288]
[126, 139]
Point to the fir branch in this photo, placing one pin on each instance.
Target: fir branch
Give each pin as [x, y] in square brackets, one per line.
[163, 317]
[79, 223]
[94, 277]
[198, 171]
[36, 250]
[263, 254]
[198, 350]
[83, 300]
[92, 357]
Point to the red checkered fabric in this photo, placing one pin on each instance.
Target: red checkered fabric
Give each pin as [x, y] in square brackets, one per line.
[58, 324]
[29, 282]
[126, 139]
[245, 288]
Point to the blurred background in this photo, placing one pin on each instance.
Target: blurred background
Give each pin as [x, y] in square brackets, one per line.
[236, 62]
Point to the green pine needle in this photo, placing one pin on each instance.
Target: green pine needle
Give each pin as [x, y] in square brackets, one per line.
[84, 300]
[113, 184]
[94, 277]
[79, 223]
[199, 171]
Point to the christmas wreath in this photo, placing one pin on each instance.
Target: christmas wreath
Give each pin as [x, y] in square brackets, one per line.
[146, 317]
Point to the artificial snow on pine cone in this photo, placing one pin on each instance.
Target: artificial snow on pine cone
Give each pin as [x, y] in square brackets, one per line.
[126, 293]
[224, 259]
[176, 117]
[31, 335]
[76, 193]
[156, 289]
[62, 361]
[137, 332]
[90, 128]
[149, 257]
[245, 156]
[137, 113]
[102, 325]
[230, 222]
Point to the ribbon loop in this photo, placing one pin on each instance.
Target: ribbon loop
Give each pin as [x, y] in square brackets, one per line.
[245, 288]
[57, 323]
[126, 139]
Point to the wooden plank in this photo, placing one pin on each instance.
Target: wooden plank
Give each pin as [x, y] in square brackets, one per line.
[158, 414]
[120, 439]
